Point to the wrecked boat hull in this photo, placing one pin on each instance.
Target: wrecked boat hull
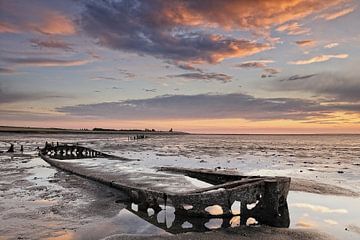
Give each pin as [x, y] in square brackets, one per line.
[266, 196]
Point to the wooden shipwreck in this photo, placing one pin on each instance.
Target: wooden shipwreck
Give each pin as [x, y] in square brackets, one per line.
[228, 194]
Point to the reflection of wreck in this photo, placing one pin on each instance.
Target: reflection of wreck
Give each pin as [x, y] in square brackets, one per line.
[230, 195]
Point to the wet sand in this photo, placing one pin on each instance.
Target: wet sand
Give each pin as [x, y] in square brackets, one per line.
[36, 205]
[244, 233]
[41, 202]
[304, 185]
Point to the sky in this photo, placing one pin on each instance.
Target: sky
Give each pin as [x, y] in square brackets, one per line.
[202, 66]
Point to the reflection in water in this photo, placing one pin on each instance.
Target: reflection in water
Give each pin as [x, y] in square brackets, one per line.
[214, 223]
[251, 221]
[252, 205]
[166, 218]
[150, 212]
[326, 213]
[319, 208]
[44, 202]
[214, 210]
[305, 223]
[124, 222]
[62, 235]
[186, 225]
[188, 206]
[236, 208]
[330, 221]
[235, 221]
[134, 207]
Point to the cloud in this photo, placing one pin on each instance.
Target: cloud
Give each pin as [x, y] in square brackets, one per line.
[4, 70]
[293, 28]
[46, 62]
[51, 43]
[127, 74]
[38, 17]
[105, 78]
[55, 23]
[207, 106]
[268, 72]
[172, 30]
[337, 14]
[187, 67]
[7, 96]
[150, 90]
[298, 77]
[244, 14]
[7, 28]
[333, 86]
[321, 58]
[272, 71]
[254, 64]
[205, 76]
[305, 43]
[331, 45]
[22, 115]
[251, 65]
[52, 23]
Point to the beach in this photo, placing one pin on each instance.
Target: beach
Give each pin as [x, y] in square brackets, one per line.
[39, 201]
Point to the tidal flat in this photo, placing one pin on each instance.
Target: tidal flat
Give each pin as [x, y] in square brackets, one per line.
[39, 201]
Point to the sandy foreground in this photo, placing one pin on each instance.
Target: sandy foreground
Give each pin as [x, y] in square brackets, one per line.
[40, 202]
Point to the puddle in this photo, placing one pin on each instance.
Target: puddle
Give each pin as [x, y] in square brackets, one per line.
[334, 215]
[125, 222]
[41, 172]
[337, 216]
[198, 183]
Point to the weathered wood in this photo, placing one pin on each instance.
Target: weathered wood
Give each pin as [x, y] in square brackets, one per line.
[266, 195]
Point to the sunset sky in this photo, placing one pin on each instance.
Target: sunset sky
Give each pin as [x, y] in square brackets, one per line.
[205, 66]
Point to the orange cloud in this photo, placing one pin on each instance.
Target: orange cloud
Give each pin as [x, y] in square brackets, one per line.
[55, 23]
[45, 62]
[305, 43]
[238, 49]
[254, 64]
[170, 29]
[40, 17]
[293, 28]
[51, 43]
[243, 13]
[7, 28]
[331, 45]
[321, 58]
[337, 14]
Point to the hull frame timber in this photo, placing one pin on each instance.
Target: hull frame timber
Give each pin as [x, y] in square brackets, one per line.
[259, 197]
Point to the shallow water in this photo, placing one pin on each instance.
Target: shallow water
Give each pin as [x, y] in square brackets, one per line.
[332, 159]
[337, 216]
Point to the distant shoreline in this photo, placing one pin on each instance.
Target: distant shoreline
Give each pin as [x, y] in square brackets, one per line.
[10, 129]
[13, 129]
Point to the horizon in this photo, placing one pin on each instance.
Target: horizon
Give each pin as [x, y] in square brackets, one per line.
[220, 67]
[24, 128]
